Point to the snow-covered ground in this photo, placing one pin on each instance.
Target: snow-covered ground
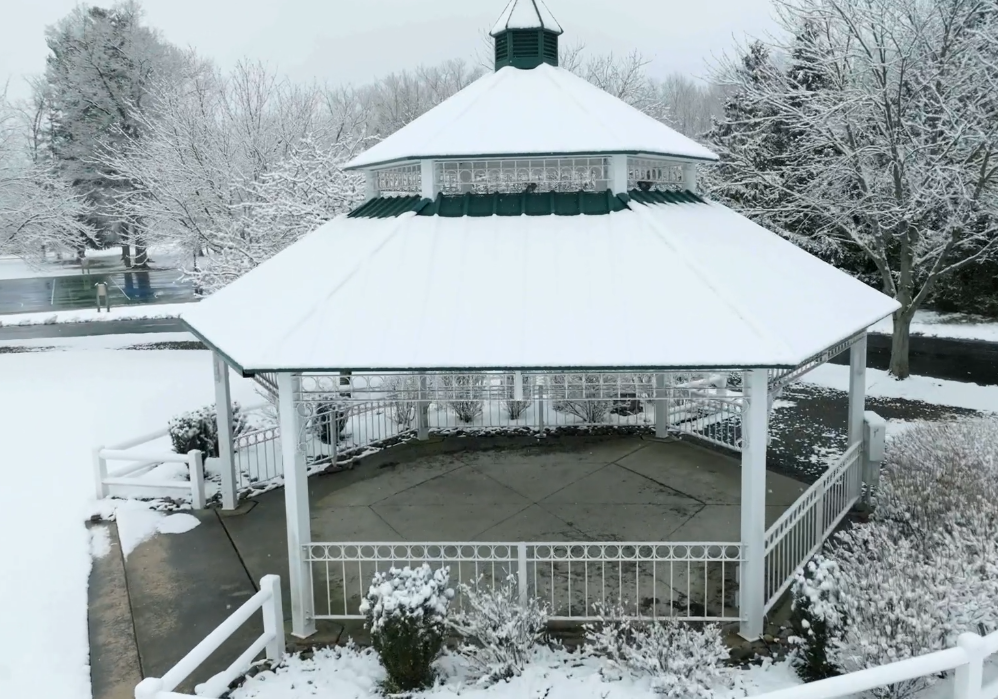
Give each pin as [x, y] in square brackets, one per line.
[880, 384]
[353, 674]
[91, 315]
[96, 342]
[56, 407]
[949, 325]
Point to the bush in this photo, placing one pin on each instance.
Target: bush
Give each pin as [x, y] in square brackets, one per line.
[327, 414]
[198, 429]
[589, 397]
[921, 572]
[516, 408]
[681, 660]
[498, 634]
[468, 391]
[816, 616]
[406, 611]
[403, 392]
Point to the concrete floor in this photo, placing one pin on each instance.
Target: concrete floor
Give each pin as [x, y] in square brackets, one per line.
[594, 491]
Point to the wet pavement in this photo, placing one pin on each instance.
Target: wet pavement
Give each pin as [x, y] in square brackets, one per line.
[975, 361]
[116, 327]
[72, 292]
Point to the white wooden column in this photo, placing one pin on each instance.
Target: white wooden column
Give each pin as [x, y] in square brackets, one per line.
[371, 189]
[427, 178]
[296, 507]
[857, 390]
[618, 174]
[755, 427]
[223, 416]
[661, 407]
[690, 177]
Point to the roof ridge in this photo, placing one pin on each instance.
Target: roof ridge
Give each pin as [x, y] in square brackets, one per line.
[644, 211]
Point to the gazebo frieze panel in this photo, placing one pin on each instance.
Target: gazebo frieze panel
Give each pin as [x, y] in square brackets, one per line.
[515, 175]
[781, 378]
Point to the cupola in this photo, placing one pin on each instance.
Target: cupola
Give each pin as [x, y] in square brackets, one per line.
[526, 35]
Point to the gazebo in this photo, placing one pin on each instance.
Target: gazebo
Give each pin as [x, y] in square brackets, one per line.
[537, 241]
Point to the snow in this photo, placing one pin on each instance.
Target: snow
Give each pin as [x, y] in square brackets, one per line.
[526, 14]
[538, 292]
[137, 523]
[90, 315]
[514, 112]
[100, 541]
[880, 384]
[955, 326]
[57, 406]
[348, 673]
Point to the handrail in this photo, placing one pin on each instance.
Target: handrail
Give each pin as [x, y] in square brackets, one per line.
[967, 658]
[268, 601]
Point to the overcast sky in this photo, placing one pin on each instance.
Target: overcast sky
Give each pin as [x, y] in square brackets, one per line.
[357, 40]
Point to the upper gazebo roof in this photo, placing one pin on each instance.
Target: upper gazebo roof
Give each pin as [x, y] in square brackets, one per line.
[540, 112]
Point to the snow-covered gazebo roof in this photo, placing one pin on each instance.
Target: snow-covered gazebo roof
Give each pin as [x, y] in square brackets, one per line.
[534, 221]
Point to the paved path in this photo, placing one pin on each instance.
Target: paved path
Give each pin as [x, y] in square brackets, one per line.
[104, 327]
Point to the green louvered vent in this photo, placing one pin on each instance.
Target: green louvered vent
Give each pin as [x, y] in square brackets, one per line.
[551, 48]
[502, 49]
[526, 48]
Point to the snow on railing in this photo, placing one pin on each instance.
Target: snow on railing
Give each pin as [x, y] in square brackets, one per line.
[798, 534]
[268, 601]
[967, 658]
[134, 475]
[694, 581]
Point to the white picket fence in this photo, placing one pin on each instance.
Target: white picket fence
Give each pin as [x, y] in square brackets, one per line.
[967, 658]
[132, 476]
[271, 641]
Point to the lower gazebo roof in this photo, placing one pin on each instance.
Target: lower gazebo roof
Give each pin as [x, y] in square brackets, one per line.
[686, 284]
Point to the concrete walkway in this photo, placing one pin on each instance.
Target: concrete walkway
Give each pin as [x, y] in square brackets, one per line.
[180, 587]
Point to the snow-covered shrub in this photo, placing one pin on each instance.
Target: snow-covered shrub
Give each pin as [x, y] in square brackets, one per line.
[467, 391]
[498, 634]
[941, 477]
[816, 618]
[589, 397]
[516, 408]
[406, 612]
[328, 414]
[198, 429]
[403, 392]
[682, 660]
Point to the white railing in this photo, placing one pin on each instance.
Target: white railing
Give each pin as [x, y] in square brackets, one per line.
[799, 533]
[967, 658]
[271, 641]
[258, 459]
[677, 581]
[133, 476]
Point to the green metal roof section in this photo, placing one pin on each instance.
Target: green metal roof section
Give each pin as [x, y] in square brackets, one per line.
[388, 207]
[523, 204]
[678, 196]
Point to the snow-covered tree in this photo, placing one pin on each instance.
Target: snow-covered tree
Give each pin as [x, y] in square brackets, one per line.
[37, 209]
[101, 64]
[895, 151]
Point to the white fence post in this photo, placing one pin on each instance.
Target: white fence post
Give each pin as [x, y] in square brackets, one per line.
[195, 460]
[422, 411]
[521, 572]
[223, 413]
[970, 677]
[273, 617]
[661, 408]
[100, 473]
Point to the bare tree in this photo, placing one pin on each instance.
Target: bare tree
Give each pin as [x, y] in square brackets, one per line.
[896, 153]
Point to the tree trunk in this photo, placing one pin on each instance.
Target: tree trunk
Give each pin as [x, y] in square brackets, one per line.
[900, 345]
[126, 254]
[141, 253]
